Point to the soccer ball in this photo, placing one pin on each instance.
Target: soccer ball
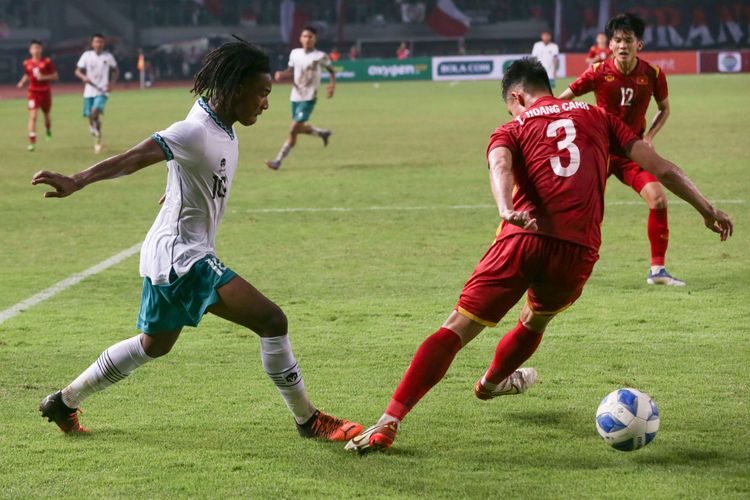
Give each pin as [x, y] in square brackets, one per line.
[627, 419]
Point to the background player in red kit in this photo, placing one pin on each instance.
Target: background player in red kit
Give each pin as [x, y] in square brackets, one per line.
[39, 71]
[600, 51]
[623, 85]
[554, 153]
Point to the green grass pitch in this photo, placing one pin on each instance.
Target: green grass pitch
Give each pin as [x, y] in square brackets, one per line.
[406, 212]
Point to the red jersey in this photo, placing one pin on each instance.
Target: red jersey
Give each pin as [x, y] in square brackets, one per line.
[560, 150]
[625, 96]
[45, 66]
[598, 54]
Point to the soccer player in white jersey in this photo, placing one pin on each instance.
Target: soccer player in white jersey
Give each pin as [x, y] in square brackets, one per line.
[305, 65]
[546, 51]
[96, 68]
[183, 277]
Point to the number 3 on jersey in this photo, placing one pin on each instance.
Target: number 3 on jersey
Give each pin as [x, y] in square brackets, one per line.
[566, 143]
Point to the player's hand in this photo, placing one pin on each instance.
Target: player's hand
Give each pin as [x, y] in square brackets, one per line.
[278, 76]
[520, 219]
[720, 223]
[329, 90]
[20, 85]
[63, 185]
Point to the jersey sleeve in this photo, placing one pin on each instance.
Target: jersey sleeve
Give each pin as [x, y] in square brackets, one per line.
[81, 64]
[620, 135]
[291, 59]
[592, 52]
[182, 141]
[503, 137]
[50, 67]
[325, 60]
[661, 92]
[112, 60]
[586, 82]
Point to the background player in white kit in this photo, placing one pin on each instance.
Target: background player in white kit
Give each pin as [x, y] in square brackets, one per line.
[183, 278]
[96, 68]
[546, 51]
[305, 65]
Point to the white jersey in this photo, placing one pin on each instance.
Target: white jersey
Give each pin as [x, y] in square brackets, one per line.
[201, 157]
[308, 66]
[546, 55]
[97, 68]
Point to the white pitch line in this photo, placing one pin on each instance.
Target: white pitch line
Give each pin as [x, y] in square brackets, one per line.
[117, 258]
[66, 283]
[376, 208]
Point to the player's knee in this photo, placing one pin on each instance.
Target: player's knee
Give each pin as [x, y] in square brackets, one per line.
[274, 324]
[658, 201]
[154, 347]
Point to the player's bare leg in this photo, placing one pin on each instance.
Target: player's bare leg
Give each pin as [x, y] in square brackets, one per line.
[32, 129]
[48, 124]
[658, 235]
[243, 304]
[113, 365]
[427, 368]
[296, 129]
[95, 125]
[504, 376]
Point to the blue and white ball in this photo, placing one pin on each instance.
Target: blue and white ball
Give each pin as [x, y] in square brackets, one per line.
[627, 419]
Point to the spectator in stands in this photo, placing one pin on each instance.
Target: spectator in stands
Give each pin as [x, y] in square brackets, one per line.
[403, 51]
[353, 53]
[335, 55]
[600, 51]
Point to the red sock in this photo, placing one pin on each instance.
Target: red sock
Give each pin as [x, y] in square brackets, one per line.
[514, 348]
[658, 235]
[427, 367]
[32, 137]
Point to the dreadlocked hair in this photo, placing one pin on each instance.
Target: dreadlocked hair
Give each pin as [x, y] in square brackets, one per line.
[226, 67]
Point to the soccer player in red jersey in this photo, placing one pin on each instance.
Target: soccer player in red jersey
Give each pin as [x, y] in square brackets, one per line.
[548, 169]
[39, 72]
[600, 51]
[623, 85]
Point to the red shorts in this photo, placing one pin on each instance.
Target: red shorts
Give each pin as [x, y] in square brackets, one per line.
[40, 100]
[553, 271]
[630, 173]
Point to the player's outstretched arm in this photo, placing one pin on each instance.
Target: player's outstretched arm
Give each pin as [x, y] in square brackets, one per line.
[331, 88]
[660, 118]
[81, 75]
[144, 154]
[674, 179]
[22, 81]
[501, 180]
[284, 74]
[567, 94]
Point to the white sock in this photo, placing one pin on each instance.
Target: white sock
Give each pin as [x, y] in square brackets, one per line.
[283, 152]
[113, 365]
[317, 131]
[386, 418]
[656, 269]
[280, 365]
